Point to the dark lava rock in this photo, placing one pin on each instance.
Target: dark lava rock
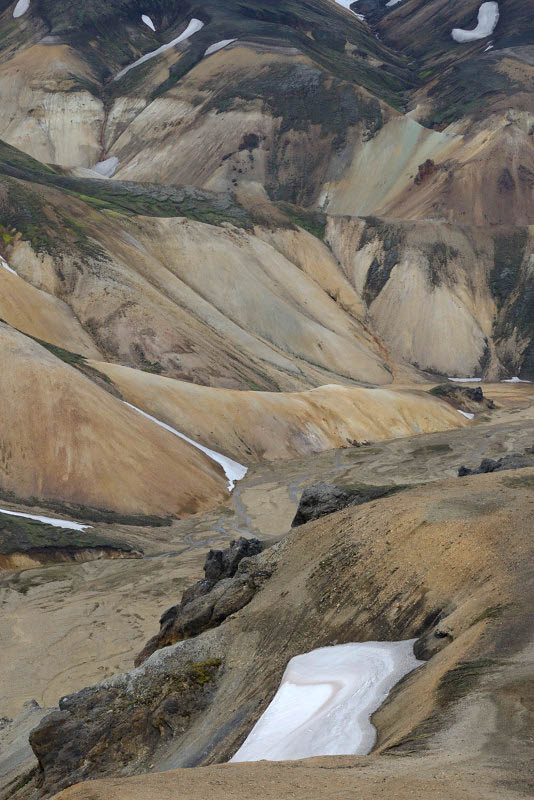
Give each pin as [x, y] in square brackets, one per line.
[513, 461]
[320, 499]
[117, 725]
[425, 170]
[462, 397]
[232, 578]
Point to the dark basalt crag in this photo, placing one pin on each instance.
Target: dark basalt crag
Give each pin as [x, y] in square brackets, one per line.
[512, 461]
[320, 499]
[232, 578]
[117, 725]
[463, 397]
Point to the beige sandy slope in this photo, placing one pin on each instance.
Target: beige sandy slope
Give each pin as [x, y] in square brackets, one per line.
[270, 425]
[65, 438]
[278, 309]
[88, 619]
[46, 112]
[212, 304]
[42, 315]
[330, 778]
[435, 307]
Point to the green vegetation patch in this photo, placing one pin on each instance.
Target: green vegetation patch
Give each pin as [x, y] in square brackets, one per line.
[438, 255]
[462, 679]
[86, 513]
[513, 290]
[468, 90]
[492, 612]
[19, 535]
[202, 672]
[48, 229]
[508, 255]
[312, 221]
[380, 270]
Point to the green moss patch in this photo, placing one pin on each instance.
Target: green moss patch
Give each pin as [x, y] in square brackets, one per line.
[19, 535]
[462, 679]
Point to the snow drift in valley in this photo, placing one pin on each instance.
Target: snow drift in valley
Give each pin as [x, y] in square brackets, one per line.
[325, 702]
[106, 168]
[57, 523]
[233, 471]
[146, 19]
[194, 26]
[21, 8]
[488, 16]
[218, 46]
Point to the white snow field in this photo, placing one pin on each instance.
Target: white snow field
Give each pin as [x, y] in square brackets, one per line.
[515, 379]
[146, 19]
[106, 168]
[5, 265]
[488, 16]
[21, 8]
[346, 4]
[465, 413]
[194, 26]
[57, 523]
[233, 471]
[465, 380]
[218, 46]
[325, 701]
[392, 2]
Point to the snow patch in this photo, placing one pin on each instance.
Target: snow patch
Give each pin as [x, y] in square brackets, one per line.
[465, 380]
[325, 702]
[218, 46]
[392, 2]
[194, 26]
[57, 523]
[489, 47]
[146, 19]
[106, 168]
[233, 471]
[465, 413]
[488, 16]
[347, 4]
[515, 379]
[21, 8]
[5, 265]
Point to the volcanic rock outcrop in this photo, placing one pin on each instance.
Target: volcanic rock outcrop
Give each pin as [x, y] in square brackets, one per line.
[232, 578]
[320, 499]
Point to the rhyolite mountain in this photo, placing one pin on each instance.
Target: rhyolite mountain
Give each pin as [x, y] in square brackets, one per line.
[271, 226]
